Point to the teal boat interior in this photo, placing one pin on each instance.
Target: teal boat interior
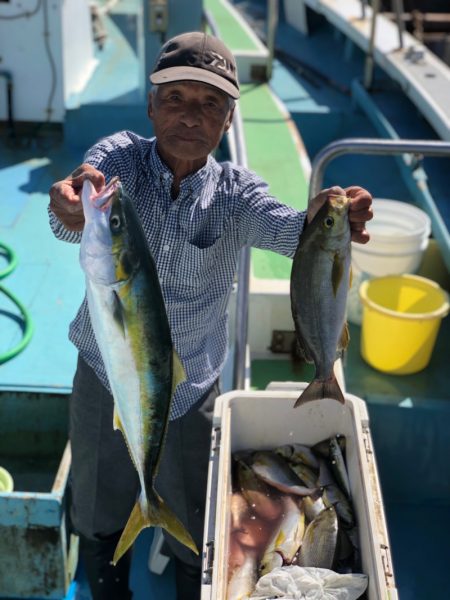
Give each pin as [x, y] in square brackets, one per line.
[315, 89]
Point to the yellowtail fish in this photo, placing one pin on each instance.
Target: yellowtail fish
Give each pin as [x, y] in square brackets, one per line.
[130, 324]
[243, 579]
[320, 280]
[298, 453]
[287, 537]
[275, 471]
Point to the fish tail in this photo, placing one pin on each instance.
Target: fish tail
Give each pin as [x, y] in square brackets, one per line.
[319, 389]
[148, 515]
[173, 525]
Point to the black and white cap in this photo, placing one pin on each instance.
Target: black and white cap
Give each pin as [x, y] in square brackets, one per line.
[197, 56]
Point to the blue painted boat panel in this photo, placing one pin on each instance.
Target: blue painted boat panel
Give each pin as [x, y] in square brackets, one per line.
[411, 447]
[47, 279]
[116, 78]
[315, 84]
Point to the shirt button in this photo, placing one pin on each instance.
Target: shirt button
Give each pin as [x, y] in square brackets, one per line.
[166, 247]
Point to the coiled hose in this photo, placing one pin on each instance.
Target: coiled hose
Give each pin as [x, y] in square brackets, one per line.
[11, 258]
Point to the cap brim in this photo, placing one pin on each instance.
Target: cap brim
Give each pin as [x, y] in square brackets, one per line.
[194, 74]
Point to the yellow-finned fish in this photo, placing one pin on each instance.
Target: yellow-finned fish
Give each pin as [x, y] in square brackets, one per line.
[320, 280]
[130, 324]
[287, 537]
[243, 579]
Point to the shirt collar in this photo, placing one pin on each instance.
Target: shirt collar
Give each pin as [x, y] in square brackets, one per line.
[191, 184]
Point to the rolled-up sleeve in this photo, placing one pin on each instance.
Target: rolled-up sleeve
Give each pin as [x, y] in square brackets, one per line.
[60, 231]
[264, 222]
[112, 156]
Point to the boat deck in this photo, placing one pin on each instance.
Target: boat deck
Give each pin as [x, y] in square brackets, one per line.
[47, 279]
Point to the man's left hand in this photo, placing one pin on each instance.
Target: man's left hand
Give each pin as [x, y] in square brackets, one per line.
[360, 211]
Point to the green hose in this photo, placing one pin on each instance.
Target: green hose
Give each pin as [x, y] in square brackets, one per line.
[28, 325]
[11, 257]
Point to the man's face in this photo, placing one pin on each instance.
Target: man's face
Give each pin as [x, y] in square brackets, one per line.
[189, 119]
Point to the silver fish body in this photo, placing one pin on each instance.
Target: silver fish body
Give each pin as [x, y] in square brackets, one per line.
[313, 505]
[334, 496]
[130, 324]
[287, 537]
[337, 464]
[275, 471]
[320, 279]
[298, 453]
[320, 540]
[323, 448]
[307, 475]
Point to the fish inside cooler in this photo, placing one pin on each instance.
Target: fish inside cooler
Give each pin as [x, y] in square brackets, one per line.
[258, 512]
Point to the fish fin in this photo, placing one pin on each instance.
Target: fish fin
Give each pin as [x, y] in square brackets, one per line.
[337, 272]
[156, 515]
[135, 524]
[319, 389]
[117, 423]
[174, 526]
[179, 374]
[118, 312]
[344, 339]
[300, 350]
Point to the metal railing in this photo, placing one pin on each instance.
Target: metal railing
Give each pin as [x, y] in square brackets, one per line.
[375, 6]
[239, 155]
[370, 146]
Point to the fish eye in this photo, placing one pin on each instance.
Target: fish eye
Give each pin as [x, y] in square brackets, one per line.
[328, 222]
[114, 222]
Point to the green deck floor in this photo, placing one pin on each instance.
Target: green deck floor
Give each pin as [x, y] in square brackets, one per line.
[272, 154]
[269, 135]
[232, 31]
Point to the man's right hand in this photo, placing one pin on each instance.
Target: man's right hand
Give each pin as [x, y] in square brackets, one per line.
[65, 199]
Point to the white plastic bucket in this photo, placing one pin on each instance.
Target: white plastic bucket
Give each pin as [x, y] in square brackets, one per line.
[399, 235]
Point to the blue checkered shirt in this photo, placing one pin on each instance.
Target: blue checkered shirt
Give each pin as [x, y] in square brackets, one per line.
[195, 241]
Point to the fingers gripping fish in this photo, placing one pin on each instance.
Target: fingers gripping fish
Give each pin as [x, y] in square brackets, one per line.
[129, 320]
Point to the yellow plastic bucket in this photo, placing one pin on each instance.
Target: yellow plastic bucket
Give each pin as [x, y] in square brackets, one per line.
[6, 481]
[401, 319]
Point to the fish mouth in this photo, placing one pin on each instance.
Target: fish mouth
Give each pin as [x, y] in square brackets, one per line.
[338, 201]
[103, 199]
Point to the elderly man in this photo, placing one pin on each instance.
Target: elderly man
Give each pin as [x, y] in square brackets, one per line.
[196, 214]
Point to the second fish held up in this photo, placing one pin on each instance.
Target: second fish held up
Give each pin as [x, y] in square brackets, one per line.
[320, 280]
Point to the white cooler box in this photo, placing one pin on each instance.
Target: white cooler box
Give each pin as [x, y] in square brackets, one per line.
[266, 419]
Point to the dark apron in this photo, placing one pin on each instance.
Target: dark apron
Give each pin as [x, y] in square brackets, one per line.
[104, 482]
